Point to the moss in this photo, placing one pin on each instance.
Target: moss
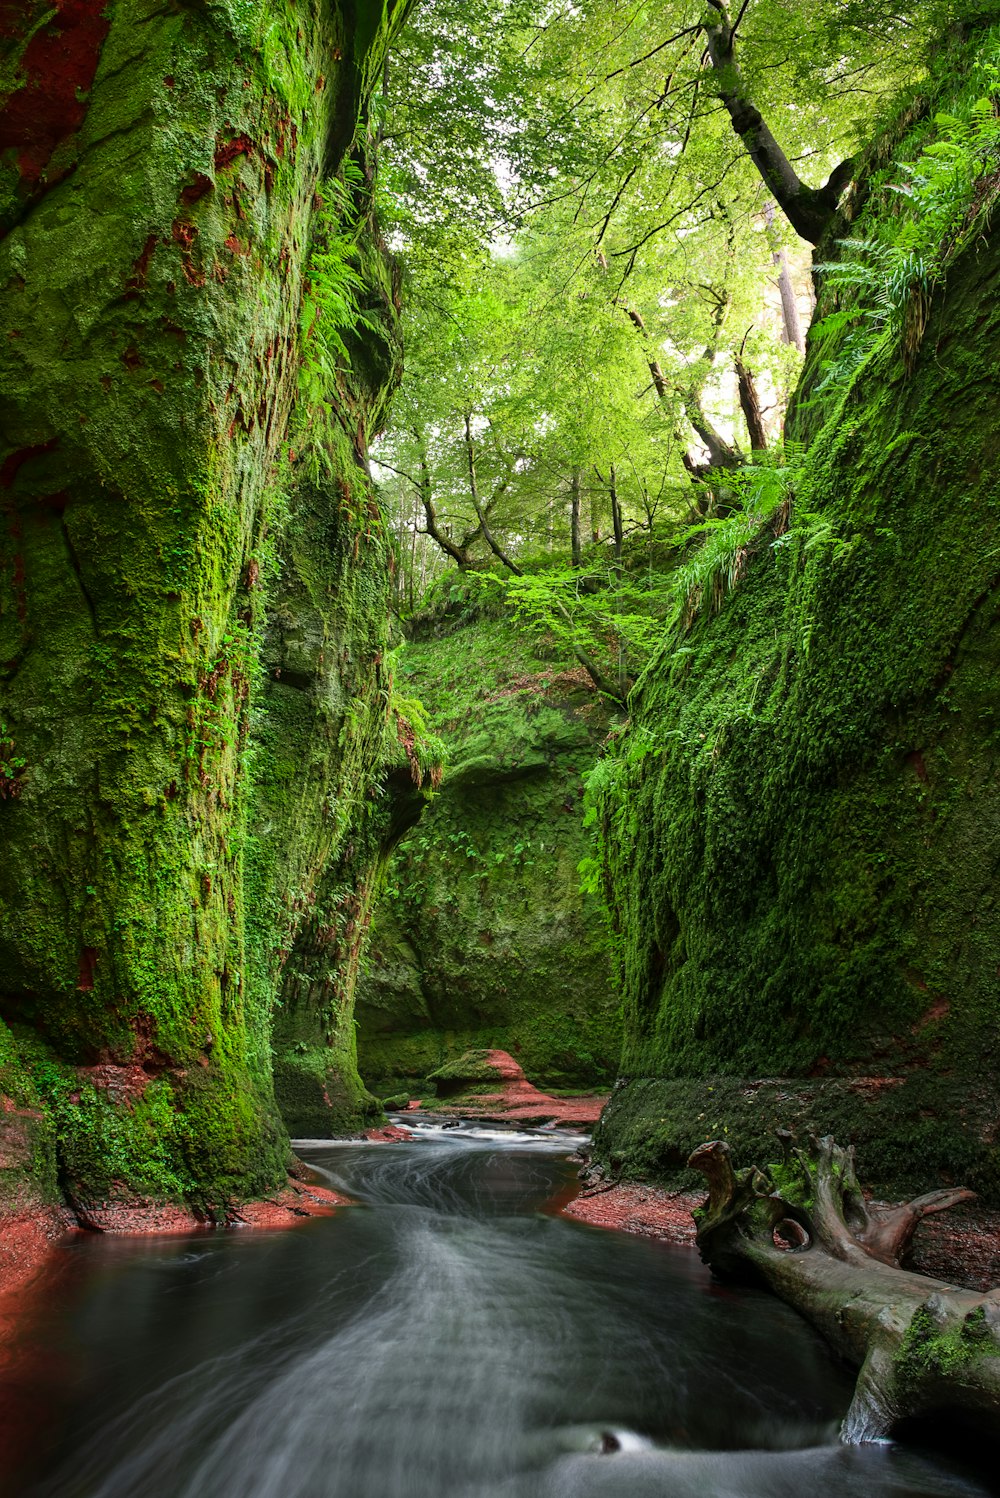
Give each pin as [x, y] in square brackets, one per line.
[801, 872]
[28, 1156]
[484, 939]
[905, 1133]
[930, 1352]
[155, 539]
[471, 1066]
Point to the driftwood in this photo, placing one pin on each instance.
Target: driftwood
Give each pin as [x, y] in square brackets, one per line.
[802, 1229]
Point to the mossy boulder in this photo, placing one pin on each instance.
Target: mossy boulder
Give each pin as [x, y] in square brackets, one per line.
[193, 575]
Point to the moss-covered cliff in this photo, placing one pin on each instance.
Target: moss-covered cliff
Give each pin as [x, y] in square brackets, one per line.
[802, 830]
[193, 702]
[484, 938]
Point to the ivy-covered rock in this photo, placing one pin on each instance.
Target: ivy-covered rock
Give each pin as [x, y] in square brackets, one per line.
[484, 940]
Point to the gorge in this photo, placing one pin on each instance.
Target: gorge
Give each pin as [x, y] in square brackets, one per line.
[449, 608]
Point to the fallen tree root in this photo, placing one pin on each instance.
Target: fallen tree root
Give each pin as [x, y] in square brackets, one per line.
[803, 1230]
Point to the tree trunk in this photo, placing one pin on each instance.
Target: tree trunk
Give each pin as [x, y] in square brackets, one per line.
[802, 1229]
[721, 454]
[791, 323]
[163, 179]
[616, 514]
[457, 550]
[619, 534]
[414, 521]
[595, 518]
[484, 525]
[750, 406]
[615, 694]
[458, 553]
[576, 544]
[808, 209]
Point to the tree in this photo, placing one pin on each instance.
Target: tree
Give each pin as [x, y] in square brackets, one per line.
[924, 1348]
[552, 229]
[535, 384]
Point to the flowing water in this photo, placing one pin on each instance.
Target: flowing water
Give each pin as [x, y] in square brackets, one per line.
[447, 1338]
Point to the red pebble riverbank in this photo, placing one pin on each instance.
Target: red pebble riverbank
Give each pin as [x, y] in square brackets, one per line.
[632, 1208]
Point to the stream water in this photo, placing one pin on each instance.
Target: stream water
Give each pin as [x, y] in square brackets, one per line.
[447, 1338]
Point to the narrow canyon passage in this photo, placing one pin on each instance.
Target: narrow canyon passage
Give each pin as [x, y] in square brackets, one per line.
[446, 1338]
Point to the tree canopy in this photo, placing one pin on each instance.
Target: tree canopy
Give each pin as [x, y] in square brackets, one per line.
[605, 213]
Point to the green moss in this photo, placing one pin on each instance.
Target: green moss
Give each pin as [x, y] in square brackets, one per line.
[484, 939]
[801, 869]
[471, 1066]
[176, 809]
[905, 1133]
[928, 1352]
[28, 1172]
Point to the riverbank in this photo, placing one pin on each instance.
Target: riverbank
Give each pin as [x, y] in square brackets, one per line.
[631, 1207]
[30, 1236]
[492, 1087]
[961, 1246]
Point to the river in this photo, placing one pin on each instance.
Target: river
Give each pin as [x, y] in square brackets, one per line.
[446, 1338]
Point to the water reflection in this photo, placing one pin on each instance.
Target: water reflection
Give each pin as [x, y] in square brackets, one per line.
[443, 1340]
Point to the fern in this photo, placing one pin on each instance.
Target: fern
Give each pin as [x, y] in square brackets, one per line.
[766, 490]
[933, 211]
[331, 306]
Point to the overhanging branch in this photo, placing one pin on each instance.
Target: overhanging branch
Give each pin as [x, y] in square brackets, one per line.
[808, 209]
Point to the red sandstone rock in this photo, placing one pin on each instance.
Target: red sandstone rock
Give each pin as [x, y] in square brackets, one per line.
[517, 1100]
[299, 1199]
[137, 1218]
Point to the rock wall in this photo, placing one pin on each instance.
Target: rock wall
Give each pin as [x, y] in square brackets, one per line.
[193, 575]
[803, 838]
[484, 939]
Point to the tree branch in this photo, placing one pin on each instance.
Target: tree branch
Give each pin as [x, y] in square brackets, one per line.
[808, 209]
[457, 554]
[750, 405]
[587, 662]
[484, 525]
